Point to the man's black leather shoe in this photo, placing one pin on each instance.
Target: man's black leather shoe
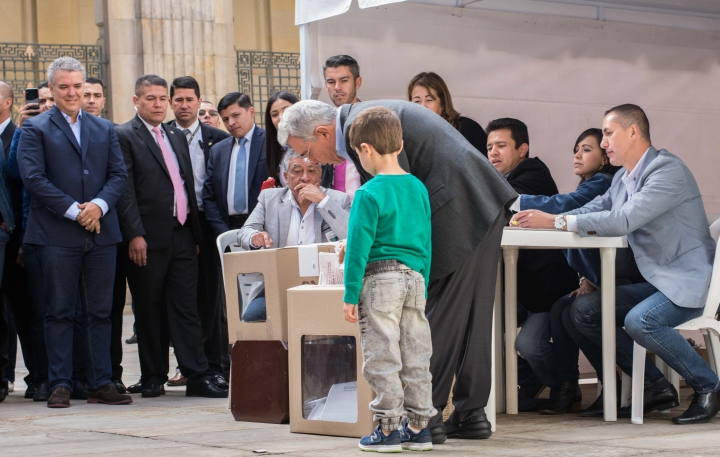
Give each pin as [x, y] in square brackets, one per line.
[30, 391]
[119, 386]
[3, 393]
[703, 408]
[437, 429]
[220, 382]
[565, 399]
[42, 393]
[661, 401]
[135, 388]
[153, 390]
[206, 388]
[80, 391]
[474, 428]
[594, 410]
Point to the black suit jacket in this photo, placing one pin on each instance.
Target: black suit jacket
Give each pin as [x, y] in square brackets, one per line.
[210, 137]
[215, 188]
[146, 207]
[14, 186]
[543, 274]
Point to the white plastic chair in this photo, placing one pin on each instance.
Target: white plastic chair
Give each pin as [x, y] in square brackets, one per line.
[708, 326]
[223, 241]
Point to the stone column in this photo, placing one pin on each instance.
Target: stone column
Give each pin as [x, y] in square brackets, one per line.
[169, 38]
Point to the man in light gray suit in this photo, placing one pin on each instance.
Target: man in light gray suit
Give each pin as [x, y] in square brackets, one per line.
[302, 213]
[657, 204]
[469, 200]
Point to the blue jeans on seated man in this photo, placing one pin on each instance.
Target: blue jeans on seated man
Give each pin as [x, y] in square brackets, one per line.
[87, 272]
[256, 310]
[649, 318]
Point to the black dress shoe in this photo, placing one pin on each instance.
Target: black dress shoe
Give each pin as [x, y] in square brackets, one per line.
[206, 388]
[220, 382]
[595, 410]
[474, 428]
[3, 393]
[667, 399]
[565, 399]
[42, 393]
[153, 390]
[80, 391]
[703, 408]
[437, 428]
[30, 391]
[131, 340]
[135, 388]
[119, 386]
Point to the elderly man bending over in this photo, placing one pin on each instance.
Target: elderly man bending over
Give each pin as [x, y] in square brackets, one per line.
[302, 213]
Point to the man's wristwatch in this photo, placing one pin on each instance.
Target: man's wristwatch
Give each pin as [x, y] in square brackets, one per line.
[559, 222]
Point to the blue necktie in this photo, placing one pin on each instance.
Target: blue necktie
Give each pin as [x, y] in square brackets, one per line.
[240, 177]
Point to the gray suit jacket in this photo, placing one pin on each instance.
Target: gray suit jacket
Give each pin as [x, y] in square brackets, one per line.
[466, 193]
[665, 224]
[274, 209]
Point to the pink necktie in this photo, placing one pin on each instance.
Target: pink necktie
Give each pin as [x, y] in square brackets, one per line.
[172, 166]
[339, 182]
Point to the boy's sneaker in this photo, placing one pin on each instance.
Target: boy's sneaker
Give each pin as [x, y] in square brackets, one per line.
[420, 441]
[379, 442]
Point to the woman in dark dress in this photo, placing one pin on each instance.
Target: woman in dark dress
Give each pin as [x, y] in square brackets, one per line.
[274, 153]
[429, 90]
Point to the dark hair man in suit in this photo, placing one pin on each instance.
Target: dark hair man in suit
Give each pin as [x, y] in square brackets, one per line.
[65, 157]
[236, 168]
[159, 218]
[543, 275]
[469, 203]
[94, 97]
[185, 102]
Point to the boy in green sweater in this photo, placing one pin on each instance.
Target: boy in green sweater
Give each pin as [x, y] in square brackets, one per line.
[387, 265]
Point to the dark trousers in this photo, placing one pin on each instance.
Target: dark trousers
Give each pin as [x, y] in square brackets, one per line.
[118, 307]
[85, 272]
[38, 310]
[459, 309]
[210, 299]
[164, 294]
[4, 322]
[14, 293]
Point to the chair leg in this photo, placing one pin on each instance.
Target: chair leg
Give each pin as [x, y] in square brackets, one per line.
[625, 390]
[638, 384]
[712, 342]
[599, 386]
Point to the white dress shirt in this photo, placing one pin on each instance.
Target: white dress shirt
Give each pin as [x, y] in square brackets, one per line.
[4, 125]
[302, 227]
[73, 212]
[175, 159]
[197, 158]
[231, 173]
[629, 179]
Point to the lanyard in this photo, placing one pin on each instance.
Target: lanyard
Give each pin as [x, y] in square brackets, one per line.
[193, 134]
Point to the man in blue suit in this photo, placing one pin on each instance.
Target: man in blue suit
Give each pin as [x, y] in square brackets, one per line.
[236, 168]
[67, 157]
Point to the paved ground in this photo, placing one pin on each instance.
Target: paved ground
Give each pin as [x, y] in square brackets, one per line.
[178, 426]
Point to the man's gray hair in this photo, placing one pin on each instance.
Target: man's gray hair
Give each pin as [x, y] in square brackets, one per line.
[66, 64]
[290, 155]
[301, 119]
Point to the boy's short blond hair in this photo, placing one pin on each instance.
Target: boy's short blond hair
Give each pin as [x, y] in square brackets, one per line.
[379, 127]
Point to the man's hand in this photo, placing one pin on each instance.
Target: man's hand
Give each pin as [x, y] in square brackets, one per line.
[26, 112]
[19, 258]
[310, 192]
[137, 248]
[350, 313]
[533, 219]
[94, 227]
[89, 214]
[341, 251]
[262, 240]
[585, 288]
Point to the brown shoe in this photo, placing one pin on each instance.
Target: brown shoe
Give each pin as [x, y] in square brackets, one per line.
[59, 398]
[178, 380]
[108, 395]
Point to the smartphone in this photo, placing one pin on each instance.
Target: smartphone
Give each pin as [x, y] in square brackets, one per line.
[32, 97]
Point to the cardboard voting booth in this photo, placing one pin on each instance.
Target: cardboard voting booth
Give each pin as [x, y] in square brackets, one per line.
[271, 272]
[328, 394]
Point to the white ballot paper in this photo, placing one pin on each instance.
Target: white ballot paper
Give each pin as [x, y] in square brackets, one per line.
[342, 403]
[332, 272]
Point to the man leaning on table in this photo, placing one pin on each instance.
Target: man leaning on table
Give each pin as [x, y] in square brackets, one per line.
[657, 204]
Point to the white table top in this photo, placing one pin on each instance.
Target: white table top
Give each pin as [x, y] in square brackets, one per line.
[555, 239]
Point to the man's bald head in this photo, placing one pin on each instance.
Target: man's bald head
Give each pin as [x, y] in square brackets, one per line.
[6, 90]
[6, 101]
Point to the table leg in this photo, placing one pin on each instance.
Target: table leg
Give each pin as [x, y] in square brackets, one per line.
[607, 258]
[499, 364]
[510, 255]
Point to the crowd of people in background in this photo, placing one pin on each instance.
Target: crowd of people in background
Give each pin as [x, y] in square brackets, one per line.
[89, 206]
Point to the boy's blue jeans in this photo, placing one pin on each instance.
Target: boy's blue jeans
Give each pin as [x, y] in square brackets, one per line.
[396, 345]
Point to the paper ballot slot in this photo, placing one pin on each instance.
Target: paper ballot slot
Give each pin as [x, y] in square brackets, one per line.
[279, 270]
[328, 395]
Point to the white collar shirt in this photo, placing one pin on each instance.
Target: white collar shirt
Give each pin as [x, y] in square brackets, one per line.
[75, 127]
[302, 227]
[231, 173]
[631, 179]
[193, 135]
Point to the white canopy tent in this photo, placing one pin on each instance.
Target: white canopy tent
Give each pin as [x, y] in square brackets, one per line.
[555, 64]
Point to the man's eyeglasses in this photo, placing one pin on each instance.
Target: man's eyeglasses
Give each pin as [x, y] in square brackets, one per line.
[203, 112]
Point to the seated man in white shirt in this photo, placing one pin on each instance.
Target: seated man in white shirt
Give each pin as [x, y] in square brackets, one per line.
[302, 213]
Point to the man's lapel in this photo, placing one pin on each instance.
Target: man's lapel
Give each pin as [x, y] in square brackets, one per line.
[85, 126]
[59, 120]
[285, 209]
[147, 137]
[318, 224]
[224, 170]
[256, 149]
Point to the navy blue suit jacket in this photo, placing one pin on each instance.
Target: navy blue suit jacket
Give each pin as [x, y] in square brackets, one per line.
[215, 188]
[57, 172]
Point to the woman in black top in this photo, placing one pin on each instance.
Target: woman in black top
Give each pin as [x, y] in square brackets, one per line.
[274, 153]
[429, 90]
